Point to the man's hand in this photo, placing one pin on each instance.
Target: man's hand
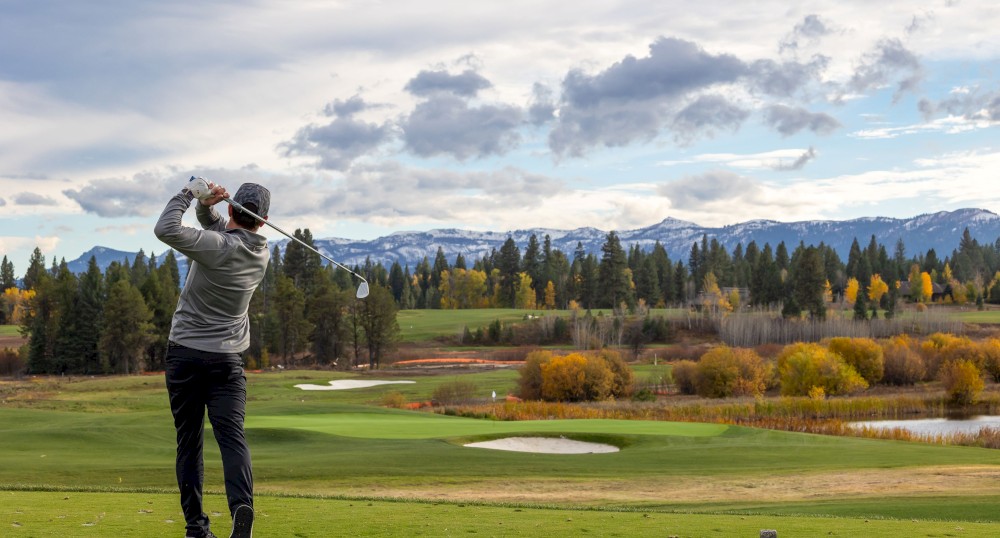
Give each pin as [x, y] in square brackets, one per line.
[219, 194]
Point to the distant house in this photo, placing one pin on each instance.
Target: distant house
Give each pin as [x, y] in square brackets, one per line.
[937, 290]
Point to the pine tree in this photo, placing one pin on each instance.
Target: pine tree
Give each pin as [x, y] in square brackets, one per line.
[328, 316]
[509, 264]
[127, 329]
[7, 278]
[377, 318]
[36, 268]
[397, 281]
[810, 283]
[861, 307]
[616, 285]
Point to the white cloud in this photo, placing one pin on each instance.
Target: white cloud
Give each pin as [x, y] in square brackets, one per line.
[11, 243]
[948, 125]
[778, 159]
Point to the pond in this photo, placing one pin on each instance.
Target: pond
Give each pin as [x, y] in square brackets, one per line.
[936, 426]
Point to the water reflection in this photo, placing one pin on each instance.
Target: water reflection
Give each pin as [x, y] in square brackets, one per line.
[935, 426]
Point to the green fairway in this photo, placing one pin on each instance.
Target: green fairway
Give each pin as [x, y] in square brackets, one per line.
[111, 436]
[404, 425]
[426, 325]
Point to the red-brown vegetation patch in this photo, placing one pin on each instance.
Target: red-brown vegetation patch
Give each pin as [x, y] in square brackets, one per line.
[446, 361]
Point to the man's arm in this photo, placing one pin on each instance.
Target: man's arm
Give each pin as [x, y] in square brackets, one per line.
[206, 247]
[209, 218]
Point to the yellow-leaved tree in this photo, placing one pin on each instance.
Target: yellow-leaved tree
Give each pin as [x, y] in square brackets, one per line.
[525, 293]
[877, 288]
[550, 296]
[926, 287]
[15, 304]
[713, 299]
[851, 290]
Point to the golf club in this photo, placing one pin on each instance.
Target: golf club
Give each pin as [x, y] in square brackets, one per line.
[199, 187]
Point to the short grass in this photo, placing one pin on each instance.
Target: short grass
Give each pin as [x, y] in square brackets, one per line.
[10, 330]
[979, 316]
[428, 325]
[43, 514]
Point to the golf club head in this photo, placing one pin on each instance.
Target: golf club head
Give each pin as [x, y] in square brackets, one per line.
[362, 290]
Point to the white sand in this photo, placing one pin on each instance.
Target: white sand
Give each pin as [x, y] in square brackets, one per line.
[344, 384]
[545, 445]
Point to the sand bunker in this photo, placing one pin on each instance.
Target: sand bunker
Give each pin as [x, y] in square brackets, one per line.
[344, 384]
[545, 445]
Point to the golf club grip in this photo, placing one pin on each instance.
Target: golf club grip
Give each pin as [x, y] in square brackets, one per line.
[240, 207]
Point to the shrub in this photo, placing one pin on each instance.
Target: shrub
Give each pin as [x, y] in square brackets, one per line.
[804, 366]
[990, 350]
[644, 395]
[685, 373]
[530, 380]
[902, 364]
[863, 354]
[623, 379]
[962, 381]
[394, 399]
[940, 348]
[453, 392]
[726, 371]
[575, 378]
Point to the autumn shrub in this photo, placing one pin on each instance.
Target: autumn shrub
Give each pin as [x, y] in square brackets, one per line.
[990, 349]
[685, 373]
[623, 379]
[575, 377]
[530, 379]
[863, 354]
[725, 371]
[940, 348]
[453, 392]
[804, 366]
[902, 364]
[394, 399]
[962, 381]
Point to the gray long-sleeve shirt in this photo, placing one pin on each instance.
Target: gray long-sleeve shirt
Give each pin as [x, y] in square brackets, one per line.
[224, 269]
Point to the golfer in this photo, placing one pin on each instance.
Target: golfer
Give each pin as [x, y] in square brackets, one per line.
[208, 335]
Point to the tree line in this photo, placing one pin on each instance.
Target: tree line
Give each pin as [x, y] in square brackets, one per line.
[118, 320]
[801, 281]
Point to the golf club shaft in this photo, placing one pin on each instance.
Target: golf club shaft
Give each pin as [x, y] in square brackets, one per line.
[240, 207]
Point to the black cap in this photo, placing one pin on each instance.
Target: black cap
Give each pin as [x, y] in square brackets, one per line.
[252, 193]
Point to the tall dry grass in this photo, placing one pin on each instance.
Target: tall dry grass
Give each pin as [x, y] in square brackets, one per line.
[768, 327]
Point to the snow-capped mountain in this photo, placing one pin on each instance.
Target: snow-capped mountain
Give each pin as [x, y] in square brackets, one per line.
[941, 231]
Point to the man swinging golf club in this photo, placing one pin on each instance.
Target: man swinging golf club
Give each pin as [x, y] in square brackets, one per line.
[209, 333]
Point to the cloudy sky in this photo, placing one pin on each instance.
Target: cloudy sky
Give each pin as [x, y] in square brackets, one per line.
[366, 118]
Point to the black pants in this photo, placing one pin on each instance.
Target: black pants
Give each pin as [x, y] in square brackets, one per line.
[196, 381]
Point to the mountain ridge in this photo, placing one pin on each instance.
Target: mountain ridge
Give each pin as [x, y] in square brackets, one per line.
[940, 230]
